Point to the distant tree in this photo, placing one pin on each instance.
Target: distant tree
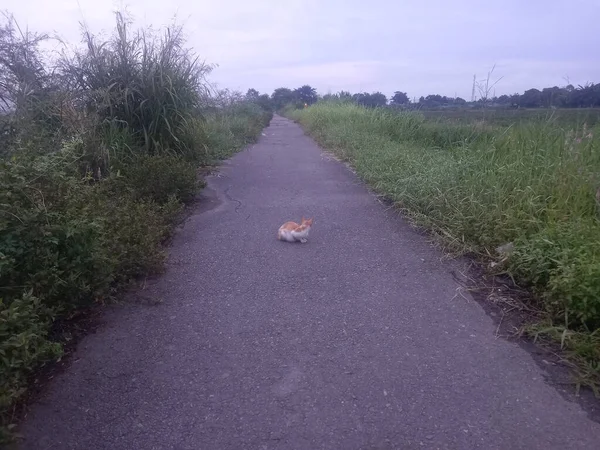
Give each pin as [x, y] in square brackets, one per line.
[400, 98]
[433, 101]
[437, 101]
[252, 94]
[339, 97]
[283, 96]
[264, 101]
[587, 96]
[594, 95]
[306, 94]
[370, 100]
[378, 99]
[359, 98]
[344, 95]
[569, 96]
[532, 98]
[514, 100]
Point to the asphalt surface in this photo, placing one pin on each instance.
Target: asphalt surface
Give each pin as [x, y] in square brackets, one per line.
[354, 340]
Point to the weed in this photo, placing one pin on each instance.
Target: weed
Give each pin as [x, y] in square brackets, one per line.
[98, 157]
[481, 185]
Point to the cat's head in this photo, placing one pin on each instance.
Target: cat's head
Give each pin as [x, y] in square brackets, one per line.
[307, 222]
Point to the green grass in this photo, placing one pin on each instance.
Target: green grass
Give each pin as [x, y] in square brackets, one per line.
[574, 117]
[69, 242]
[97, 159]
[479, 185]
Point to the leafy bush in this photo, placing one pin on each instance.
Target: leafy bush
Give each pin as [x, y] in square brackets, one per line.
[99, 156]
[46, 243]
[23, 334]
[161, 177]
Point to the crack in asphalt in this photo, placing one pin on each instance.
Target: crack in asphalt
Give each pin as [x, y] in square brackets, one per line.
[239, 203]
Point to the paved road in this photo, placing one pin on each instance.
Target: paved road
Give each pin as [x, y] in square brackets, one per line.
[355, 340]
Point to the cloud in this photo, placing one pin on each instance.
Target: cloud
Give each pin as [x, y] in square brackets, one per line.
[421, 47]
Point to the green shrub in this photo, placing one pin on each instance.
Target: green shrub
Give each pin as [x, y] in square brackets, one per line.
[133, 233]
[225, 130]
[246, 120]
[160, 177]
[562, 263]
[96, 161]
[64, 243]
[45, 242]
[24, 327]
[67, 241]
[215, 138]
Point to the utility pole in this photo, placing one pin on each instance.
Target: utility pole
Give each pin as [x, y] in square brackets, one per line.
[473, 90]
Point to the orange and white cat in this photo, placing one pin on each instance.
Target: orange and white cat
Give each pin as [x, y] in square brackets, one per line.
[291, 231]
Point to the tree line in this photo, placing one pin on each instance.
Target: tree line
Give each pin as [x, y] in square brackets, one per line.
[586, 96]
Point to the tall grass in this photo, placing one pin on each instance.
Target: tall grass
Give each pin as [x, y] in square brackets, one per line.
[99, 155]
[573, 117]
[146, 84]
[535, 184]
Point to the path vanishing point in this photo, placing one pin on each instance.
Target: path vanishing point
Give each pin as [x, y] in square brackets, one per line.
[354, 340]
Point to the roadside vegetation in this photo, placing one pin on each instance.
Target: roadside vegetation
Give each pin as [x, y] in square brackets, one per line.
[101, 146]
[521, 195]
[99, 152]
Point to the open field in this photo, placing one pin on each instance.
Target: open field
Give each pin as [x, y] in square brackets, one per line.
[525, 181]
[573, 117]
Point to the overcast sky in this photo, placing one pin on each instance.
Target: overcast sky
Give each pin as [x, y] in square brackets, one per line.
[417, 46]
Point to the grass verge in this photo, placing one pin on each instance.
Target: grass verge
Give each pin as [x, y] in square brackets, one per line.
[524, 198]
